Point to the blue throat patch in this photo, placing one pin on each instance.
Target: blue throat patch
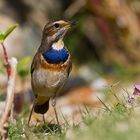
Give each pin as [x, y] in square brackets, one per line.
[56, 56]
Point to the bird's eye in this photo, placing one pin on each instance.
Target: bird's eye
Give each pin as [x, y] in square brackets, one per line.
[56, 25]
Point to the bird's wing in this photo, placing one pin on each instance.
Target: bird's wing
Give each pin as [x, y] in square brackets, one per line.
[35, 63]
[32, 68]
[69, 67]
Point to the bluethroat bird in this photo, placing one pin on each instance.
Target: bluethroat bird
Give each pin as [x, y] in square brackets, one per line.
[50, 67]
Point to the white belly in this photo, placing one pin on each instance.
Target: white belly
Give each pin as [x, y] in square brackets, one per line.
[47, 83]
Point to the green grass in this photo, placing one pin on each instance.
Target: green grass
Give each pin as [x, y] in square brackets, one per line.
[120, 122]
[109, 126]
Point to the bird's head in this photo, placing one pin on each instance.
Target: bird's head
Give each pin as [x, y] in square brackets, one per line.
[54, 31]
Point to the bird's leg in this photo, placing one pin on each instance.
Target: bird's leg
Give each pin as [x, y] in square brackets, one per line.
[54, 107]
[31, 112]
[44, 119]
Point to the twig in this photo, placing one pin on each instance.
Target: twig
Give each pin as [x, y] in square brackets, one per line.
[8, 68]
[9, 99]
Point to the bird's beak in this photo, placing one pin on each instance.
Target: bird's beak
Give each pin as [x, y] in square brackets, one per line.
[69, 24]
[72, 23]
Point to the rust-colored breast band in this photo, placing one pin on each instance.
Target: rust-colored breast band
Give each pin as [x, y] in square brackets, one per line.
[53, 67]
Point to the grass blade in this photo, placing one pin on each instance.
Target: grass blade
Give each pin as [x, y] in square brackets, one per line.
[104, 104]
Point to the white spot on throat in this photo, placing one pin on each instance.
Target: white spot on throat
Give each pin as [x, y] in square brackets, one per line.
[58, 45]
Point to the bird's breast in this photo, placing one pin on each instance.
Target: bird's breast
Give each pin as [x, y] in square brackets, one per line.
[47, 82]
[48, 78]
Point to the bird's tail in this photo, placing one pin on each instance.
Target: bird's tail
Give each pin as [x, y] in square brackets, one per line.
[43, 108]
